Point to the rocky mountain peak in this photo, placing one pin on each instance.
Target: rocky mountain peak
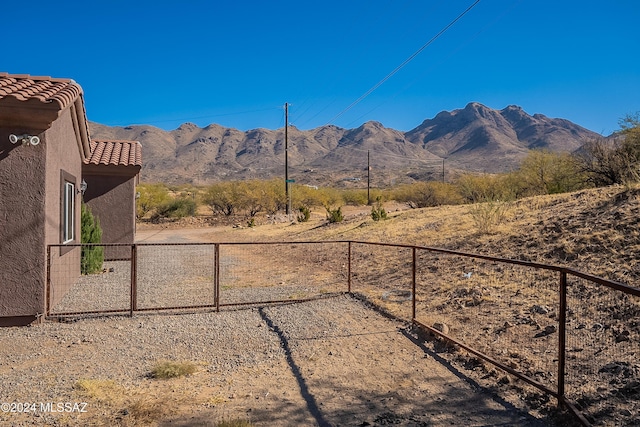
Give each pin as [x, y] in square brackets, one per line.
[475, 138]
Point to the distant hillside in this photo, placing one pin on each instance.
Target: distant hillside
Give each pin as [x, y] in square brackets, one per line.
[476, 138]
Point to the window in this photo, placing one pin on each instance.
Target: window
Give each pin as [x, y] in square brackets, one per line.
[68, 212]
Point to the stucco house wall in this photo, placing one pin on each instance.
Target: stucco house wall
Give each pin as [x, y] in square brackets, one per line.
[63, 163]
[22, 239]
[32, 189]
[111, 173]
[111, 199]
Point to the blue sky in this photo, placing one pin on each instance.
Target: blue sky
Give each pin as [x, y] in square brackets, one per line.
[236, 63]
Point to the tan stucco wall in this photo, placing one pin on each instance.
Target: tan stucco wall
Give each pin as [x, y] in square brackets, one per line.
[62, 155]
[30, 205]
[22, 213]
[112, 199]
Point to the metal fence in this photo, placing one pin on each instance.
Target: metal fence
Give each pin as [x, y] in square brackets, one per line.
[570, 335]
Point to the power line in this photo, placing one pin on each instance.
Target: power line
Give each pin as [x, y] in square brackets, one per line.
[405, 62]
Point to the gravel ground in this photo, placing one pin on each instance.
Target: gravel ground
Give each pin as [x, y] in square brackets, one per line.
[331, 361]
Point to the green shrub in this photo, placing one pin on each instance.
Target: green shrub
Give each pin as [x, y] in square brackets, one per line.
[377, 211]
[92, 257]
[304, 213]
[149, 198]
[334, 215]
[178, 208]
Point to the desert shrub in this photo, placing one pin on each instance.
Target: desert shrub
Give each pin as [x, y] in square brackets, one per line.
[427, 194]
[150, 197]
[478, 188]
[608, 162]
[178, 208]
[171, 369]
[273, 194]
[545, 172]
[92, 257]
[304, 213]
[334, 215]
[222, 198]
[355, 197]
[488, 214]
[377, 211]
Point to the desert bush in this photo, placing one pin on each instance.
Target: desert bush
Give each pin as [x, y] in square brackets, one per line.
[355, 197]
[92, 257]
[178, 208]
[377, 211]
[334, 214]
[613, 161]
[427, 194]
[304, 214]
[488, 214]
[150, 197]
[545, 172]
[478, 188]
[604, 162]
[171, 369]
[222, 198]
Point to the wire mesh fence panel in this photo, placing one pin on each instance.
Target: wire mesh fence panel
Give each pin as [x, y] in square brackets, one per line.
[383, 274]
[70, 291]
[254, 273]
[179, 275]
[508, 312]
[603, 352]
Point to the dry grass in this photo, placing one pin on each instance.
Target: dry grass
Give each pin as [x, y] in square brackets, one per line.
[171, 369]
[235, 423]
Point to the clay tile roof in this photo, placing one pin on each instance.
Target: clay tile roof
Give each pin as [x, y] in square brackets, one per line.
[119, 153]
[24, 87]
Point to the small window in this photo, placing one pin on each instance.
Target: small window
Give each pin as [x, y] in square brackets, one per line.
[68, 212]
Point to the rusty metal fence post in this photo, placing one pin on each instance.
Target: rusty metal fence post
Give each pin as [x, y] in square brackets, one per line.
[47, 294]
[562, 334]
[216, 276]
[413, 285]
[134, 280]
[349, 267]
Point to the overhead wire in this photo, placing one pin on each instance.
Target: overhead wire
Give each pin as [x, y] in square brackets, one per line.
[381, 28]
[403, 64]
[428, 70]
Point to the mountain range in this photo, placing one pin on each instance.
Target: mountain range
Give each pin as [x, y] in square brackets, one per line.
[475, 138]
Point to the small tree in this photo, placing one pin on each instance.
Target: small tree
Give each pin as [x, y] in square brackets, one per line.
[91, 257]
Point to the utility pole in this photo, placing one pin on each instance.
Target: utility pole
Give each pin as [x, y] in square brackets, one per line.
[286, 158]
[368, 180]
[443, 170]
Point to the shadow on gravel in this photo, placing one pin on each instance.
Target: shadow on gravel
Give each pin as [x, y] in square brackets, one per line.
[312, 405]
[420, 340]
